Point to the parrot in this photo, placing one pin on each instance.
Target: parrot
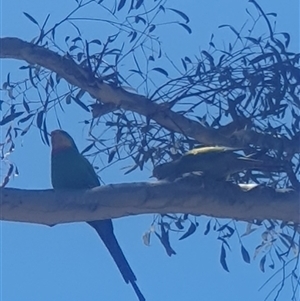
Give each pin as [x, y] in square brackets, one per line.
[71, 170]
[216, 162]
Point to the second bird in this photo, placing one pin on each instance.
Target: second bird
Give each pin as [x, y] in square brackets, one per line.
[215, 162]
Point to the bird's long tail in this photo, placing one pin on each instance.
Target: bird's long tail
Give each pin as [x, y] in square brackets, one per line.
[104, 229]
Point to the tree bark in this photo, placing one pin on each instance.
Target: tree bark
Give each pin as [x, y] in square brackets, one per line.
[196, 197]
[76, 75]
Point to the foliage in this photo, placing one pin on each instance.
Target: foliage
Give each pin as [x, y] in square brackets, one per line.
[244, 90]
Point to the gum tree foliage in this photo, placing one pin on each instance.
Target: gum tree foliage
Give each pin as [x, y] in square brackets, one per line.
[243, 94]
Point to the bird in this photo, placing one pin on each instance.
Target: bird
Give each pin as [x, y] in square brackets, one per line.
[71, 170]
[216, 162]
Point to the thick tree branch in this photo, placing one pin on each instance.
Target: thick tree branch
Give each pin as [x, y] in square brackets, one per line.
[218, 199]
[66, 68]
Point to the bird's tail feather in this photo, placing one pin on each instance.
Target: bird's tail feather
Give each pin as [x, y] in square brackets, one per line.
[104, 228]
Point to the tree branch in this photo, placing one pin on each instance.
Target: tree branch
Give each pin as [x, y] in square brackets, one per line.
[74, 74]
[192, 196]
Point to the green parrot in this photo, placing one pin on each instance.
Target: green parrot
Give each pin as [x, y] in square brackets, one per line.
[214, 161]
[71, 170]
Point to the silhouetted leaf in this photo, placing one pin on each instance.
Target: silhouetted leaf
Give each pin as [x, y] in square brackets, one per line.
[31, 78]
[189, 232]
[16, 171]
[181, 14]
[185, 216]
[39, 119]
[139, 3]
[187, 28]
[184, 64]
[245, 254]
[224, 242]
[131, 169]
[232, 28]
[253, 40]
[178, 224]
[87, 148]
[10, 117]
[76, 39]
[111, 155]
[287, 38]
[262, 263]
[287, 240]
[121, 4]
[137, 19]
[96, 41]
[81, 104]
[8, 79]
[207, 228]
[31, 18]
[26, 130]
[210, 58]
[146, 238]
[151, 28]
[45, 132]
[133, 36]
[187, 59]
[25, 105]
[73, 48]
[223, 259]
[80, 56]
[248, 230]
[221, 59]
[161, 70]
[164, 239]
[24, 67]
[261, 57]
[6, 179]
[22, 120]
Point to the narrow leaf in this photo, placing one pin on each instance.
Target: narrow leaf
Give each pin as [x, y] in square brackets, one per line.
[164, 239]
[22, 120]
[146, 238]
[178, 224]
[262, 263]
[6, 179]
[139, 3]
[223, 259]
[121, 4]
[162, 71]
[187, 28]
[87, 148]
[45, 132]
[39, 119]
[189, 232]
[111, 155]
[81, 104]
[245, 254]
[26, 106]
[31, 18]
[207, 228]
[151, 28]
[181, 14]
[10, 117]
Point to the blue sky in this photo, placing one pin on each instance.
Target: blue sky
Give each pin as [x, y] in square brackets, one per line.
[68, 262]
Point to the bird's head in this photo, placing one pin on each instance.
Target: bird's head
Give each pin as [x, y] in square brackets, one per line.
[61, 140]
[161, 171]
